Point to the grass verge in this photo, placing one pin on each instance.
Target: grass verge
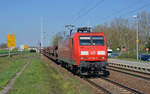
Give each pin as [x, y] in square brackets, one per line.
[40, 78]
[9, 66]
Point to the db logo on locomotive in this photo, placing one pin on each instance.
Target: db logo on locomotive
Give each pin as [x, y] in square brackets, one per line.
[93, 52]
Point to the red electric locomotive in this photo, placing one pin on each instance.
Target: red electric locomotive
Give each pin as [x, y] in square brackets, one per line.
[84, 52]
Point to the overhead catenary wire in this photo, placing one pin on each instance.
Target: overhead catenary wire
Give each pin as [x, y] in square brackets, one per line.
[123, 9]
[129, 12]
[137, 9]
[117, 12]
[89, 10]
[85, 7]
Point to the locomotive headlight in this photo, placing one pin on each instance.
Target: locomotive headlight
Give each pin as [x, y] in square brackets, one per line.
[101, 57]
[84, 53]
[83, 57]
[100, 52]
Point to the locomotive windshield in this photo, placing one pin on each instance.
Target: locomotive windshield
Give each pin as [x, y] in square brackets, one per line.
[98, 40]
[91, 40]
[85, 40]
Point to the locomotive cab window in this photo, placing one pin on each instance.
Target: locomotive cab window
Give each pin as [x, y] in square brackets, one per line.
[98, 40]
[85, 40]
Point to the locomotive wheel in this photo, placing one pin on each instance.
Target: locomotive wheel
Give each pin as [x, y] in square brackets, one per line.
[106, 73]
[62, 64]
[77, 71]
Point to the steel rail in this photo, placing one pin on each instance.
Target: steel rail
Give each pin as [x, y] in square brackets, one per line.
[98, 86]
[128, 73]
[123, 86]
[90, 82]
[113, 82]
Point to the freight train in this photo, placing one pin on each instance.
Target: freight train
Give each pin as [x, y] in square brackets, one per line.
[84, 52]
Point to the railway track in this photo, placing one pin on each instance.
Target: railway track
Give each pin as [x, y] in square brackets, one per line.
[143, 75]
[111, 87]
[98, 86]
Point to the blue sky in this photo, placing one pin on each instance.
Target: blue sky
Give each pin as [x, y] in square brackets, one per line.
[22, 17]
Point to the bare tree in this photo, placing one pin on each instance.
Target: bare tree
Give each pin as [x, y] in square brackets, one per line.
[56, 39]
[119, 34]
